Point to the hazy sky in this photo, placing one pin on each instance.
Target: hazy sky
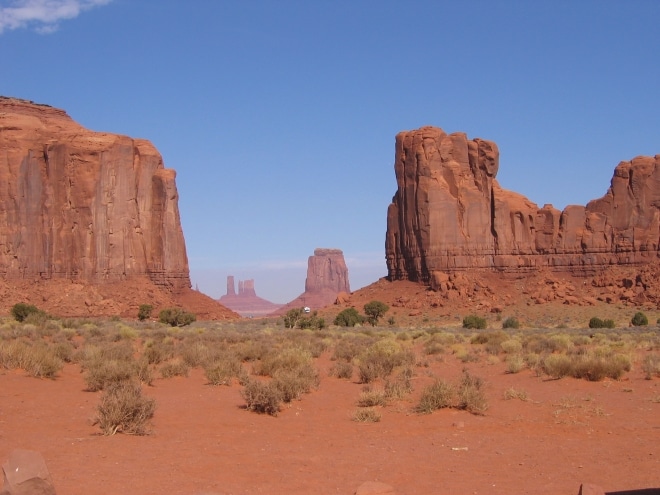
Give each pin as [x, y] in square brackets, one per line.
[280, 116]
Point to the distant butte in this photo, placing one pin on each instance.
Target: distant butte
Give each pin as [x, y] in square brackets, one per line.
[246, 302]
[327, 277]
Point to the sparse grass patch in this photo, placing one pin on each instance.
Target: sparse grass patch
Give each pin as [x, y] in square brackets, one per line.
[342, 369]
[176, 367]
[651, 366]
[223, 369]
[512, 393]
[366, 415]
[372, 397]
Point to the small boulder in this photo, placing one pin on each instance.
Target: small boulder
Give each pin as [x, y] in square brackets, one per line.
[26, 474]
[589, 489]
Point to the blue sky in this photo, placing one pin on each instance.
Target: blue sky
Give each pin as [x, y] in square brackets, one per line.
[280, 116]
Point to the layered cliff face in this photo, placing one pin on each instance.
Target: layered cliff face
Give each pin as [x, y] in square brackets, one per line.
[83, 205]
[89, 221]
[449, 214]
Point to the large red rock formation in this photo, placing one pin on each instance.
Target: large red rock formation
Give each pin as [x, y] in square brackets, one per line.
[246, 302]
[87, 207]
[327, 276]
[449, 214]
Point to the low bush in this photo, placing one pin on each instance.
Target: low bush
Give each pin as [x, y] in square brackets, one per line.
[639, 319]
[176, 367]
[372, 397]
[21, 311]
[348, 317]
[470, 394]
[176, 317]
[144, 311]
[123, 409]
[292, 383]
[101, 373]
[366, 415]
[651, 366]
[474, 322]
[223, 369]
[557, 365]
[262, 397]
[596, 322]
[342, 369]
[438, 395]
[515, 364]
[511, 322]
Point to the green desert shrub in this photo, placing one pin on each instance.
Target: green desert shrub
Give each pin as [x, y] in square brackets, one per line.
[639, 319]
[21, 311]
[144, 311]
[474, 322]
[176, 317]
[375, 311]
[123, 409]
[511, 322]
[596, 322]
[348, 317]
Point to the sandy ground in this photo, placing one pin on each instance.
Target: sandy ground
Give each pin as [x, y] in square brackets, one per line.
[203, 442]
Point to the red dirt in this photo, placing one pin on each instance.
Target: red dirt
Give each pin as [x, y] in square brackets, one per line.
[569, 431]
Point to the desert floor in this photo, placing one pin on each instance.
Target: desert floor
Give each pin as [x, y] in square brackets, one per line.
[567, 432]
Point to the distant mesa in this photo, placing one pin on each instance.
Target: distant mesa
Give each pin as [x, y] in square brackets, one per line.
[246, 302]
[327, 277]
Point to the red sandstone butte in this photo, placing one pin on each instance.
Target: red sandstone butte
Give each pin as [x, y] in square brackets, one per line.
[327, 276]
[92, 209]
[449, 214]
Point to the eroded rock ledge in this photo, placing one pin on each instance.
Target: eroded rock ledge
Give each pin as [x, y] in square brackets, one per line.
[449, 214]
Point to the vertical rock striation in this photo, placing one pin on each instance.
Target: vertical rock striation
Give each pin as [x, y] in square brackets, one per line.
[82, 205]
[450, 214]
